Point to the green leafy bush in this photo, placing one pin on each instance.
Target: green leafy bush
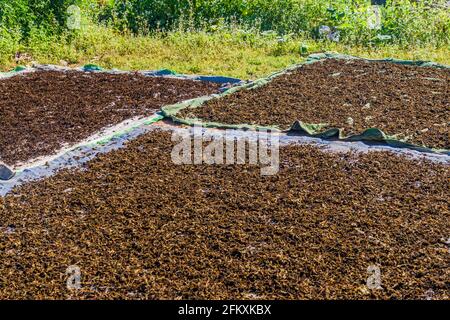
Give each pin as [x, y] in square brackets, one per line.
[403, 21]
[48, 16]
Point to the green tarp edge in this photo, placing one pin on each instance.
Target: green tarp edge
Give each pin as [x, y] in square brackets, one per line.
[94, 67]
[309, 129]
[13, 72]
[86, 67]
[147, 121]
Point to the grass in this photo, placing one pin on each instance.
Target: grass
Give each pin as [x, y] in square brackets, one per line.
[232, 52]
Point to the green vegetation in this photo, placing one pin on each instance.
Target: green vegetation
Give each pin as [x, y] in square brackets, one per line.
[405, 21]
[245, 39]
